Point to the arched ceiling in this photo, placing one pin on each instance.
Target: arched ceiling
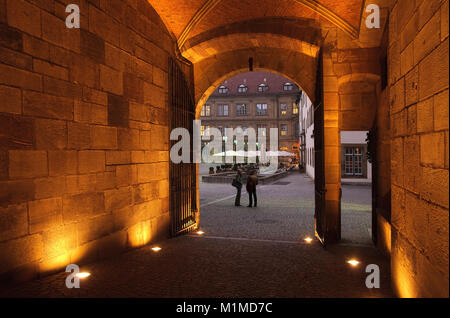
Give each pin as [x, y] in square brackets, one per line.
[187, 19]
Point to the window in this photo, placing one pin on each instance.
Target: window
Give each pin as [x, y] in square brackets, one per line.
[223, 89]
[283, 108]
[288, 87]
[206, 111]
[263, 88]
[242, 88]
[295, 109]
[204, 131]
[262, 130]
[284, 130]
[222, 110]
[353, 161]
[241, 109]
[261, 109]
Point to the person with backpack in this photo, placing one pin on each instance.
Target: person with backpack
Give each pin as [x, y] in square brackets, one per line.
[252, 182]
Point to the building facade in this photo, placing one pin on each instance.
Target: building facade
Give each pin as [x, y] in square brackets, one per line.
[355, 166]
[257, 100]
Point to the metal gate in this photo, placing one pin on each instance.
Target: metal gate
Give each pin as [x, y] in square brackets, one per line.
[319, 154]
[182, 176]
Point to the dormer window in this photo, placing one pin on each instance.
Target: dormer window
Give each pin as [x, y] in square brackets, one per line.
[242, 89]
[288, 87]
[263, 88]
[223, 89]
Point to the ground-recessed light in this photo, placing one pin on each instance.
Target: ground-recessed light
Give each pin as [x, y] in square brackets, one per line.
[83, 275]
[308, 240]
[200, 232]
[353, 262]
[156, 249]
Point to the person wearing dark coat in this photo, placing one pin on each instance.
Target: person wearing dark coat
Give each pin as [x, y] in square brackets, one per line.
[252, 182]
[237, 201]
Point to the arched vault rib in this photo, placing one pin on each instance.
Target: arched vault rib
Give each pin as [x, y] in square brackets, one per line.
[311, 4]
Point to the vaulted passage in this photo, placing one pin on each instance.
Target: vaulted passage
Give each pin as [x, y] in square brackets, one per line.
[86, 114]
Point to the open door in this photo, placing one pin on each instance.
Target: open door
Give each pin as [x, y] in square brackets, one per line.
[319, 154]
[182, 176]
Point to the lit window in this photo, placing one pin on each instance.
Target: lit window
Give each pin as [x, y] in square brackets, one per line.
[223, 89]
[288, 87]
[284, 130]
[261, 109]
[295, 109]
[206, 111]
[241, 109]
[242, 88]
[283, 108]
[223, 110]
[263, 88]
[202, 130]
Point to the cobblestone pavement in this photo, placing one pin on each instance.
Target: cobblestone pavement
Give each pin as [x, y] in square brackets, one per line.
[244, 253]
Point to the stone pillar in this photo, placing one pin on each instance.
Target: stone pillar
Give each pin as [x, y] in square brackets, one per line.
[332, 147]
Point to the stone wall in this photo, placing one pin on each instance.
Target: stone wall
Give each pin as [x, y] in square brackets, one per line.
[83, 132]
[418, 97]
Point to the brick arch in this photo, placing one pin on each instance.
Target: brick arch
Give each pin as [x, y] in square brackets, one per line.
[298, 67]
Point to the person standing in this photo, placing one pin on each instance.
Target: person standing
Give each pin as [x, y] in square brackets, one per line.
[237, 182]
[252, 182]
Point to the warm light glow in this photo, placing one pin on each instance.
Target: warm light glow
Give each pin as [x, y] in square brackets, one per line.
[353, 262]
[83, 275]
[308, 240]
[200, 232]
[156, 249]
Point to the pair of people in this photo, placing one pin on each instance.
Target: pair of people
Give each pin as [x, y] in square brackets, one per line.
[252, 181]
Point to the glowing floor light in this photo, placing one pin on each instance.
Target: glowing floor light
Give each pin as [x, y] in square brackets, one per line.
[156, 249]
[200, 232]
[308, 240]
[353, 262]
[83, 275]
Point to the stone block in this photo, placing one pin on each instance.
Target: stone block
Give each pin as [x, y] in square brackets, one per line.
[79, 136]
[118, 111]
[60, 240]
[441, 108]
[52, 70]
[36, 47]
[434, 72]
[45, 214]
[103, 137]
[11, 100]
[80, 207]
[96, 97]
[111, 80]
[77, 184]
[10, 37]
[428, 38]
[91, 161]
[49, 187]
[13, 222]
[16, 59]
[425, 116]
[84, 71]
[434, 186]
[47, 106]
[117, 198]
[19, 252]
[50, 134]
[155, 96]
[62, 163]
[432, 150]
[58, 87]
[24, 16]
[27, 164]
[12, 192]
[16, 77]
[90, 113]
[118, 157]
[93, 229]
[92, 46]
